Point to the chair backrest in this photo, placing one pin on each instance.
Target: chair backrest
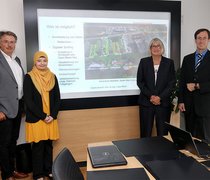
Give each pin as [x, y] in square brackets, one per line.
[65, 167]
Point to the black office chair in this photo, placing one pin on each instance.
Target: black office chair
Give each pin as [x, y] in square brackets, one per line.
[65, 167]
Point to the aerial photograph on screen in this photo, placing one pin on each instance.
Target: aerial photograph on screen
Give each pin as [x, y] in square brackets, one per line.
[113, 50]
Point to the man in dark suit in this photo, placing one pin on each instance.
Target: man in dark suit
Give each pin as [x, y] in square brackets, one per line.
[11, 105]
[194, 87]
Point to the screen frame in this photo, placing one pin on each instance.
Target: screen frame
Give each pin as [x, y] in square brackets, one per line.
[31, 34]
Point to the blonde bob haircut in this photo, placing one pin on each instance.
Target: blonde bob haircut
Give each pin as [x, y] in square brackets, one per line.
[157, 41]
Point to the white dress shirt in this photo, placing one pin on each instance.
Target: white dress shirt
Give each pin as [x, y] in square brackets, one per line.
[156, 67]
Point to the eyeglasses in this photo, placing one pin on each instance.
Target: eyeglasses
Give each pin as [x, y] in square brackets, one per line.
[8, 42]
[156, 46]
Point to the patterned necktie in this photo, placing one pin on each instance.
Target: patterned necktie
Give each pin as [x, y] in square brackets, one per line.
[198, 62]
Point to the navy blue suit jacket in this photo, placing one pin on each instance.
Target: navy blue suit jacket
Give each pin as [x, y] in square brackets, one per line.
[198, 99]
[146, 81]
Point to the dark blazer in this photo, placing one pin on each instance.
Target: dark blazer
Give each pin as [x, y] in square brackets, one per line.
[33, 101]
[8, 88]
[146, 81]
[199, 99]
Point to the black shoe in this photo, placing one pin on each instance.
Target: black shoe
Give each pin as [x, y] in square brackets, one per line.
[19, 175]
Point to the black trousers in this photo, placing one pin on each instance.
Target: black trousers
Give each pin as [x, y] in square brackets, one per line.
[147, 116]
[42, 158]
[192, 124]
[198, 126]
[9, 133]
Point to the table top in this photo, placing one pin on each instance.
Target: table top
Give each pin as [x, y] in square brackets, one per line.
[132, 162]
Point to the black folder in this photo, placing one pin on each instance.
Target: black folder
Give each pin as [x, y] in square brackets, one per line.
[178, 169]
[103, 156]
[121, 174]
[145, 146]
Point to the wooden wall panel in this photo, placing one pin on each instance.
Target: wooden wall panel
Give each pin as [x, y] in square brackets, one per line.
[80, 127]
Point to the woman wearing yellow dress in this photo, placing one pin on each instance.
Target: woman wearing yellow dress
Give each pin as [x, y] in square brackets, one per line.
[42, 100]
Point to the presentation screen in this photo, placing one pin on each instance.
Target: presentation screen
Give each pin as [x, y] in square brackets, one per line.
[96, 53]
[95, 46]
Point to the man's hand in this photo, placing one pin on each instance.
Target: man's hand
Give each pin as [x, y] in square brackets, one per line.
[2, 116]
[191, 87]
[181, 107]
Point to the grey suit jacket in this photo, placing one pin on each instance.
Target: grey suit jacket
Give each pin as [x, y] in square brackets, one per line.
[8, 88]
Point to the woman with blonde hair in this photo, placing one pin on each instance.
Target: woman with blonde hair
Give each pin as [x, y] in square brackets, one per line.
[155, 79]
[42, 100]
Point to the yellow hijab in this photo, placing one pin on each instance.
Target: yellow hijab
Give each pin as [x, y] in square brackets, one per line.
[43, 80]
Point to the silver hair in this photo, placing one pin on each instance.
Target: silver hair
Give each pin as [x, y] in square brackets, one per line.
[159, 42]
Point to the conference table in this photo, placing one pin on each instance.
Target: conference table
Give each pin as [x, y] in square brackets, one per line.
[156, 147]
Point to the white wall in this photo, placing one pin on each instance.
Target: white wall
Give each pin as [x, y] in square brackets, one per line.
[195, 14]
[12, 19]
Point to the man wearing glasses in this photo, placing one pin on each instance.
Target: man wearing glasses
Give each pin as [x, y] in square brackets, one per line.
[11, 104]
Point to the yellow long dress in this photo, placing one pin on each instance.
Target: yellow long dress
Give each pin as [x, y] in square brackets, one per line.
[40, 130]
